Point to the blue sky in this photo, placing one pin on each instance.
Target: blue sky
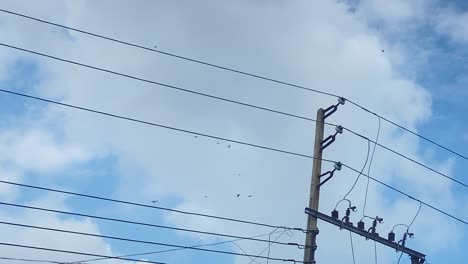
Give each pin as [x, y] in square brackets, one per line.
[336, 46]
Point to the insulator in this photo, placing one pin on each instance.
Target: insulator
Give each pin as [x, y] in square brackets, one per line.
[337, 165]
[335, 214]
[339, 129]
[341, 100]
[361, 225]
[391, 236]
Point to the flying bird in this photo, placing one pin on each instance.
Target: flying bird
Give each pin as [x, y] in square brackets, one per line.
[217, 143]
[155, 201]
[195, 136]
[238, 195]
[229, 146]
[250, 195]
[206, 196]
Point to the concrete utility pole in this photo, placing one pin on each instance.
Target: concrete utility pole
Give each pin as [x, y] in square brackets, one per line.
[310, 242]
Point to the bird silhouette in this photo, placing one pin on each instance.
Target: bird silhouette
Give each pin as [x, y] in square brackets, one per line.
[217, 143]
[195, 136]
[155, 201]
[238, 195]
[250, 195]
[229, 146]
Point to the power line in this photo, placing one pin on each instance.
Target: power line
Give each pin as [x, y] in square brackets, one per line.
[214, 137]
[410, 159]
[156, 124]
[142, 241]
[352, 246]
[77, 253]
[156, 83]
[231, 70]
[360, 172]
[142, 223]
[408, 196]
[368, 170]
[31, 260]
[168, 250]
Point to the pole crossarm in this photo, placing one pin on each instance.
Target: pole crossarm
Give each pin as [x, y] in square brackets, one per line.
[367, 235]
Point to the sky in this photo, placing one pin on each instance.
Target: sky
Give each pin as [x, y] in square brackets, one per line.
[402, 59]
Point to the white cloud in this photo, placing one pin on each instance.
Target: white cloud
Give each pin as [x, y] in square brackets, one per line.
[320, 45]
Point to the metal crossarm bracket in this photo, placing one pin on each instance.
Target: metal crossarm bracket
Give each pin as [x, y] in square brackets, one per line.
[330, 139]
[419, 257]
[332, 109]
[337, 166]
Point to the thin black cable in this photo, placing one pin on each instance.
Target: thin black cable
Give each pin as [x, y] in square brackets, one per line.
[375, 251]
[140, 223]
[31, 260]
[220, 138]
[168, 54]
[155, 124]
[352, 246]
[369, 168]
[141, 241]
[410, 131]
[414, 218]
[278, 237]
[410, 159]
[360, 172]
[77, 253]
[166, 250]
[400, 258]
[232, 70]
[156, 83]
[409, 196]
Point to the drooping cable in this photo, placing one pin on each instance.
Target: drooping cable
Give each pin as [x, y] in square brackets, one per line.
[221, 138]
[231, 70]
[416, 215]
[360, 172]
[352, 246]
[77, 253]
[168, 250]
[118, 220]
[141, 241]
[369, 170]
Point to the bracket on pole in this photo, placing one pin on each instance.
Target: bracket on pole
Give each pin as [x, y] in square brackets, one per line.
[337, 166]
[332, 109]
[416, 256]
[330, 139]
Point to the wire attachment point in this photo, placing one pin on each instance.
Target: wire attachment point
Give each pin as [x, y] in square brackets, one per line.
[330, 139]
[332, 109]
[336, 167]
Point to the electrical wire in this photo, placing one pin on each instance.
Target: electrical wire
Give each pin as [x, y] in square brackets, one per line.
[369, 169]
[77, 253]
[268, 247]
[209, 136]
[400, 258]
[409, 196]
[157, 125]
[117, 220]
[180, 89]
[230, 70]
[410, 159]
[417, 213]
[221, 138]
[360, 172]
[352, 246]
[31, 260]
[167, 250]
[141, 241]
[375, 252]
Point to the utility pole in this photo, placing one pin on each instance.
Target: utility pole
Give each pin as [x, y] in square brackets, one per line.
[311, 235]
[319, 145]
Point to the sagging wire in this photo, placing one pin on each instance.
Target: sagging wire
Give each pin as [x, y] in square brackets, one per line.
[360, 173]
[287, 232]
[352, 246]
[369, 169]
